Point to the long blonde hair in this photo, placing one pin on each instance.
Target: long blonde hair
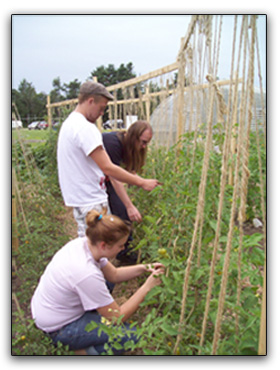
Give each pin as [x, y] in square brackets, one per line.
[107, 228]
[134, 159]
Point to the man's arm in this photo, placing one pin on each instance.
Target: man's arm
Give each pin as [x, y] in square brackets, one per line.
[102, 159]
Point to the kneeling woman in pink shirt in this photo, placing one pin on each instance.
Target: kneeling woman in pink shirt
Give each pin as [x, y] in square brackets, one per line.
[73, 290]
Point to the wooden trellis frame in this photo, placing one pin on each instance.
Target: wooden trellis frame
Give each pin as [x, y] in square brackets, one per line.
[145, 99]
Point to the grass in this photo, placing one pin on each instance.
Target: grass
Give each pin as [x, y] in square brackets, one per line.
[27, 135]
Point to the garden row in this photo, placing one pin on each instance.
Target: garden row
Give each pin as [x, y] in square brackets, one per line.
[164, 235]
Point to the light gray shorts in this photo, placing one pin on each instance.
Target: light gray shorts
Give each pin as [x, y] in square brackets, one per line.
[81, 212]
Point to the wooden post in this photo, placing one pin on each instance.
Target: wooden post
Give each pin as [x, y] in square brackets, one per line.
[99, 119]
[147, 103]
[49, 111]
[15, 242]
[115, 109]
[124, 108]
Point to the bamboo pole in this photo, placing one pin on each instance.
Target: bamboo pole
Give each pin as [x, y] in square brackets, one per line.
[65, 102]
[186, 39]
[115, 124]
[145, 77]
[172, 91]
[151, 94]
[146, 98]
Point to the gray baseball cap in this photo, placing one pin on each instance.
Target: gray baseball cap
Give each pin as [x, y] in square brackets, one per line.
[95, 88]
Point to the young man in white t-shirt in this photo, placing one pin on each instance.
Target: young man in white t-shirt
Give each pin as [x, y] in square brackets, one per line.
[82, 160]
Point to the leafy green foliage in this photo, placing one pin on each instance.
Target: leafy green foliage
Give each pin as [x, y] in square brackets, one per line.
[30, 104]
[40, 209]
[165, 235]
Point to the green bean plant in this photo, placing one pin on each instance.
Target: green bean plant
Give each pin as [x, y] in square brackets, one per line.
[166, 235]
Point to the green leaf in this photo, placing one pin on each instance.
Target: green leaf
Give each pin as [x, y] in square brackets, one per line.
[169, 329]
[91, 326]
[160, 352]
[198, 274]
[140, 244]
[150, 219]
[223, 239]
[213, 224]
[117, 346]
[156, 290]
[252, 240]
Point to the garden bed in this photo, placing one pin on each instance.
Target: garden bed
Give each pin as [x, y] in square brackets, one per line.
[165, 235]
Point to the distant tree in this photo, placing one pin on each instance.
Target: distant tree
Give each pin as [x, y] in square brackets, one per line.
[57, 93]
[40, 109]
[64, 91]
[72, 89]
[31, 106]
[125, 72]
[110, 75]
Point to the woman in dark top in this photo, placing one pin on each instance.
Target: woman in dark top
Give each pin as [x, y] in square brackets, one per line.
[127, 149]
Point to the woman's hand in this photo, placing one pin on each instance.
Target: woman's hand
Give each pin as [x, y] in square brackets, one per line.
[152, 267]
[154, 279]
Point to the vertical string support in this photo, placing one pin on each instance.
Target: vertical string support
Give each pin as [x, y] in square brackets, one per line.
[262, 335]
[180, 89]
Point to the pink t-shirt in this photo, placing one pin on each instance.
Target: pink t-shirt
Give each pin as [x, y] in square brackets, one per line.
[71, 284]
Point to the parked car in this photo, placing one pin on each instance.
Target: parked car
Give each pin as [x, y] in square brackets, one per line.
[43, 125]
[55, 125]
[110, 124]
[16, 124]
[34, 125]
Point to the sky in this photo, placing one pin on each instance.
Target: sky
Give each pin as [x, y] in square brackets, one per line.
[45, 47]
[72, 46]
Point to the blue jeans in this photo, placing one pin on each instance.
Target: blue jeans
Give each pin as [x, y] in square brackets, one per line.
[75, 335]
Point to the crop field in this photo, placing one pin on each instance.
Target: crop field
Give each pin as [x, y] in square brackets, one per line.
[206, 222]
[32, 136]
[165, 235]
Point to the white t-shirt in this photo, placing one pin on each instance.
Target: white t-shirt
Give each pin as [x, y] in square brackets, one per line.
[71, 284]
[82, 182]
